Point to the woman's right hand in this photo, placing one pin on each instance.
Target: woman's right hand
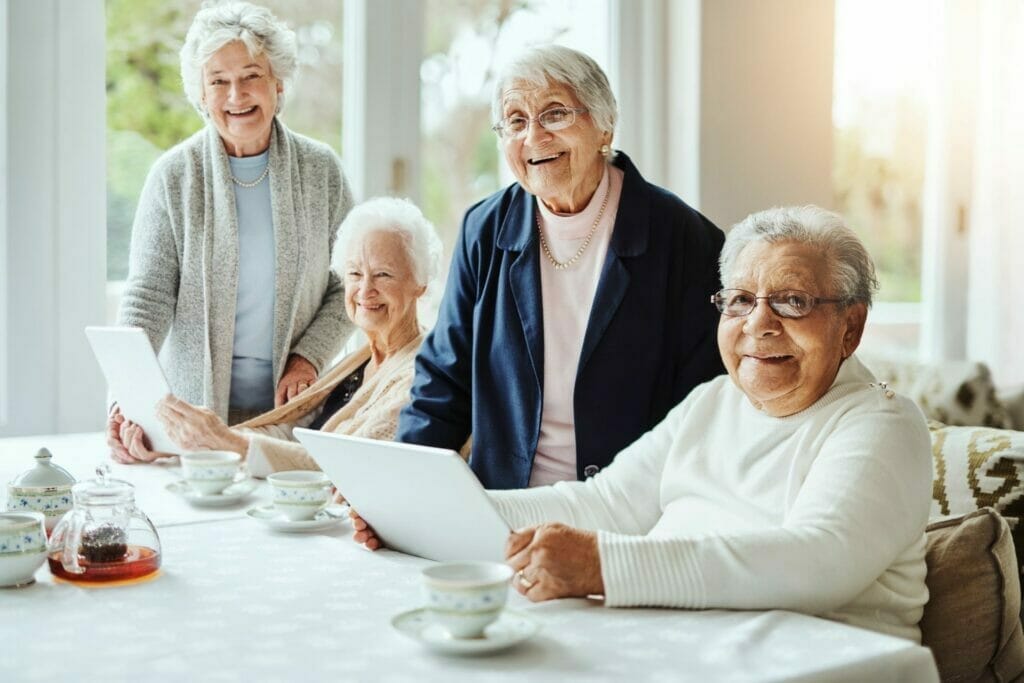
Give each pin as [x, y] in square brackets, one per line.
[118, 451]
[364, 532]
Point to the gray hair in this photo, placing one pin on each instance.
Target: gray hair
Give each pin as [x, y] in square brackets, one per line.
[216, 25]
[853, 272]
[558, 64]
[400, 216]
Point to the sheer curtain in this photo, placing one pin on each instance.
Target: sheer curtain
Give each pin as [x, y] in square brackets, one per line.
[995, 320]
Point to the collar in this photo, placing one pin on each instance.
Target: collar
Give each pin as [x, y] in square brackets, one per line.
[518, 231]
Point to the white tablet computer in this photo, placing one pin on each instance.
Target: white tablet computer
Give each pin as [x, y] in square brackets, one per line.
[419, 500]
[134, 377]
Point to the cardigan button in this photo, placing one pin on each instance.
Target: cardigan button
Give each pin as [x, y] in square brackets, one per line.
[590, 470]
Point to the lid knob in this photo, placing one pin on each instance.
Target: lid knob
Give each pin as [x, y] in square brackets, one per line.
[45, 474]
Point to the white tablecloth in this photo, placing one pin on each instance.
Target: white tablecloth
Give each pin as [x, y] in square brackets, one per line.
[237, 601]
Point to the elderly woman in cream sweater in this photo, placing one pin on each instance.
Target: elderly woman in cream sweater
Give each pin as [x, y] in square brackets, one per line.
[388, 253]
[797, 482]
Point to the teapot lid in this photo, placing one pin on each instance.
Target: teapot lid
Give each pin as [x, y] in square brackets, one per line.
[44, 475]
[103, 490]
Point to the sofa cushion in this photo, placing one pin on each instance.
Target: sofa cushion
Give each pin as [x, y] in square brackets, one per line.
[971, 620]
[952, 392]
[976, 467]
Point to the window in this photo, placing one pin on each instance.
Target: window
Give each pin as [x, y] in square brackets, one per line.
[880, 118]
[147, 112]
[465, 46]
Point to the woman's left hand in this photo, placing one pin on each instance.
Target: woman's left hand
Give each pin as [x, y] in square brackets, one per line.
[137, 445]
[299, 375]
[364, 533]
[555, 561]
[198, 429]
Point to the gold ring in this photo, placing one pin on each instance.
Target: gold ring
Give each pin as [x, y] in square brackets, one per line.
[523, 581]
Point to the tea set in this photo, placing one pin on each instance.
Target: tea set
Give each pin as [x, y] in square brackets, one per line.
[89, 531]
[92, 532]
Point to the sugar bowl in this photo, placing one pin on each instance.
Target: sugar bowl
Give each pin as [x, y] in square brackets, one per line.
[45, 488]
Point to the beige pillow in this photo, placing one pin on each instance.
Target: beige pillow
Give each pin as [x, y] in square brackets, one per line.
[952, 392]
[971, 621]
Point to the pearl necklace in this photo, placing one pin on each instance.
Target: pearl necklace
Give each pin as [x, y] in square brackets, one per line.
[562, 265]
[254, 183]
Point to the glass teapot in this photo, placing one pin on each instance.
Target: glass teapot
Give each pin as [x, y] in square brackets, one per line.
[104, 537]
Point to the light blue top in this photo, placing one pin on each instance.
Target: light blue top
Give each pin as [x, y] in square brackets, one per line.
[252, 370]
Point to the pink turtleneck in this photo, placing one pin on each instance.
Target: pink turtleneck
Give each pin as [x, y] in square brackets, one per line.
[567, 297]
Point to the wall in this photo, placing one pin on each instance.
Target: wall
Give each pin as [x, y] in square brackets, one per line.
[761, 114]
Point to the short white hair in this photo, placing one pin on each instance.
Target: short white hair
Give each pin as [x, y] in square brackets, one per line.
[216, 25]
[852, 270]
[400, 216]
[559, 64]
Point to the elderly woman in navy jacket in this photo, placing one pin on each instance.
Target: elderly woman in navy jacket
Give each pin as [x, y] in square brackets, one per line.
[575, 314]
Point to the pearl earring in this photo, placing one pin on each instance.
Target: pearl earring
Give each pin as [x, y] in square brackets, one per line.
[605, 150]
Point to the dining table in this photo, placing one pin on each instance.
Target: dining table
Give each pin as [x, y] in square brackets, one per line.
[235, 599]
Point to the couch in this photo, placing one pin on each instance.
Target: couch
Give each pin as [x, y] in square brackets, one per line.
[972, 622]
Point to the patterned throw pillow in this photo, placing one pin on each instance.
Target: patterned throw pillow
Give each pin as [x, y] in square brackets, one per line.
[953, 392]
[977, 467]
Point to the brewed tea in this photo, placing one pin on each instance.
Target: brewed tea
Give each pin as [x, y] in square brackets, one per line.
[137, 562]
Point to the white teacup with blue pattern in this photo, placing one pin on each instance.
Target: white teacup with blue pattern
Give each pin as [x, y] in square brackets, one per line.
[210, 472]
[22, 546]
[465, 597]
[300, 494]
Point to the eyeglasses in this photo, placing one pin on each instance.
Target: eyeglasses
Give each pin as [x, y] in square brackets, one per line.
[789, 303]
[555, 118]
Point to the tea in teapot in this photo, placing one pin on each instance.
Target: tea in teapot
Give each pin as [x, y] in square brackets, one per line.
[104, 537]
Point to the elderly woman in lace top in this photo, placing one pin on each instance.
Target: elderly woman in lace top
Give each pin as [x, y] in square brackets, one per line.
[796, 482]
[388, 253]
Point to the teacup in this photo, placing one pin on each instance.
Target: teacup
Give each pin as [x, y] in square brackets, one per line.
[300, 494]
[465, 597]
[210, 472]
[22, 546]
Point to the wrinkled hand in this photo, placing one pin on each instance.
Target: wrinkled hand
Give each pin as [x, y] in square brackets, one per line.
[198, 429]
[299, 375]
[555, 561]
[364, 532]
[118, 451]
[134, 439]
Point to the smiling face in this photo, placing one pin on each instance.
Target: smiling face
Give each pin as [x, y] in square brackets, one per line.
[240, 95]
[784, 365]
[562, 167]
[380, 287]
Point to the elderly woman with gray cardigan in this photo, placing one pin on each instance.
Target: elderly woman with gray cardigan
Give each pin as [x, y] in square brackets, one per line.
[230, 257]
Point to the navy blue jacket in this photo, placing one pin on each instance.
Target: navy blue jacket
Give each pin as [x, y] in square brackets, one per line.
[649, 341]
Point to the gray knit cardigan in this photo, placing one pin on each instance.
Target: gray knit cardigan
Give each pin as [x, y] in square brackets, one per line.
[183, 268]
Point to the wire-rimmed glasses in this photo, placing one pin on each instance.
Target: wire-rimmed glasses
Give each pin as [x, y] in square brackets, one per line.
[788, 303]
[556, 118]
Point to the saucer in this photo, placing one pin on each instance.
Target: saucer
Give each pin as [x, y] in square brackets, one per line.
[232, 494]
[325, 519]
[509, 628]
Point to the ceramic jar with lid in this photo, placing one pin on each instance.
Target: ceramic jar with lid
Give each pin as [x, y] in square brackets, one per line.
[45, 488]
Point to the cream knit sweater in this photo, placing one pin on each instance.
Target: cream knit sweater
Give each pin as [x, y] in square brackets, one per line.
[721, 506]
[371, 413]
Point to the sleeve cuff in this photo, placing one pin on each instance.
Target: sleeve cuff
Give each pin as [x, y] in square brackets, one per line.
[257, 462]
[639, 571]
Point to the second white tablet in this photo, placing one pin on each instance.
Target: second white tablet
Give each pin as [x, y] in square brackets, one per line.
[134, 378]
